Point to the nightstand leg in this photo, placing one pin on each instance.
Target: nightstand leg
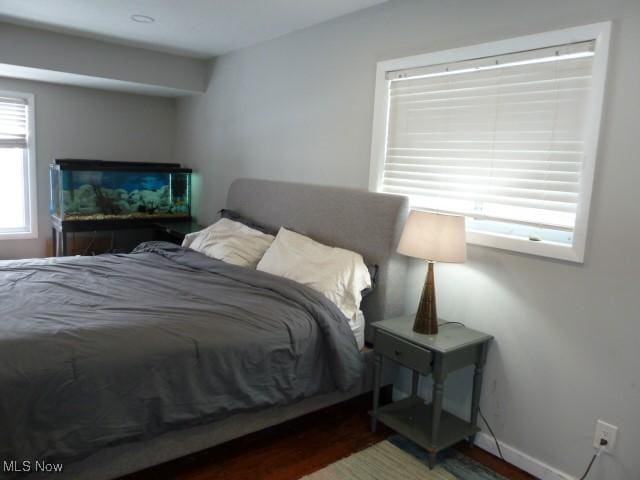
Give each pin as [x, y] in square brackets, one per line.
[377, 380]
[438, 389]
[477, 389]
[436, 404]
[432, 459]
[415, 382]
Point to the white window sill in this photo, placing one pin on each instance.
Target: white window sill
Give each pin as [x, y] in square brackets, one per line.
[571, 253]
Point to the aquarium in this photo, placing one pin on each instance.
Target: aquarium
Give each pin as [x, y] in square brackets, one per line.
[101, 190]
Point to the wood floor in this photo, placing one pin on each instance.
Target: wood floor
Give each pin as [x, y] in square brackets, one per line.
[297, 448]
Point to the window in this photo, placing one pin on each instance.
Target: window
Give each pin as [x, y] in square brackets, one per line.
[17, 167]
[504, 133]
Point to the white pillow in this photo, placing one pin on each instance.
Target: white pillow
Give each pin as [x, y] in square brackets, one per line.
[340, 275]
[232, 242]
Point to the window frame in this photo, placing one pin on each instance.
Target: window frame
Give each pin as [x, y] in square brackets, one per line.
[30, 177]
[600, 32]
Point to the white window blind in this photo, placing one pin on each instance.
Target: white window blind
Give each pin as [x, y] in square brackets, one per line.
[498, 138]
[14, 128]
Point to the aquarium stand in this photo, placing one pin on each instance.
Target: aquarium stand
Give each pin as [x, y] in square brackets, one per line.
[159, 227]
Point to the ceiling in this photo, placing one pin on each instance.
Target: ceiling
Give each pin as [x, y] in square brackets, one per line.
[197, 28]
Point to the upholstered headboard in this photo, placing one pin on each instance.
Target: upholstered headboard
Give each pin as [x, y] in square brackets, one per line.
[365, 222]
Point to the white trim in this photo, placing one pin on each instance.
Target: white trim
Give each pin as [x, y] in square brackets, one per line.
[592, 135]
[31, 181]
[379, 128]
[600, 32]
[525, 462]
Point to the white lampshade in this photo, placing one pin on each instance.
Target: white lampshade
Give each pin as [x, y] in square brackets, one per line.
[434, 236]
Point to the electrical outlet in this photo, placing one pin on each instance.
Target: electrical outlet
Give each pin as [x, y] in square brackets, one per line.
[607, 432]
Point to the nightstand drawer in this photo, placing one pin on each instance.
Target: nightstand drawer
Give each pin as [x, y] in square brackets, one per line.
[405, 353]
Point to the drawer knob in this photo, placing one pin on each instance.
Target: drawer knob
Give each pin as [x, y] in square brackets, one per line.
[397, 352]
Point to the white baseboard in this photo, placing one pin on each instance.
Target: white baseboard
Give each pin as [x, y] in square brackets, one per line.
[525, 462]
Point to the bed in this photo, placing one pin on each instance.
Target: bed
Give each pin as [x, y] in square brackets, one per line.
[155, 326]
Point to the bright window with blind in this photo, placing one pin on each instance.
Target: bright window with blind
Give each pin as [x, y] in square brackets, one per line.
[17, 162]
[503, 133]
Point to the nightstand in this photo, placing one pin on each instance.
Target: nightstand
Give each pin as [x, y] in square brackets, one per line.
[453, 348]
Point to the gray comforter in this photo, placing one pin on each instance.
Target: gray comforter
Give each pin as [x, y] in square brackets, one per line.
[96, 351]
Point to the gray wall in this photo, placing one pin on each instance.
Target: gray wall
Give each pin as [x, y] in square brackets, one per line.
[567, 347]
[76, 122]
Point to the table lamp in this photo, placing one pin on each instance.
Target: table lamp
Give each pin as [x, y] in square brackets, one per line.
[436, 238]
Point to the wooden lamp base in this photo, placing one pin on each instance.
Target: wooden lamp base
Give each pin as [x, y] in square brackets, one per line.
[427, 317]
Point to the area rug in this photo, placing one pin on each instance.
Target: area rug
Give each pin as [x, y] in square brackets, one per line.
[398, 459]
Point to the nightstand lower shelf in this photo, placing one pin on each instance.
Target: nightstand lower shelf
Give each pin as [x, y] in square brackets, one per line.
[412, 417]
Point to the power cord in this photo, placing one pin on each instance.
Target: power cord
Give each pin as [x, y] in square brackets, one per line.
[93, 239]
[603, 443]
[451, 323]
[495, 439]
